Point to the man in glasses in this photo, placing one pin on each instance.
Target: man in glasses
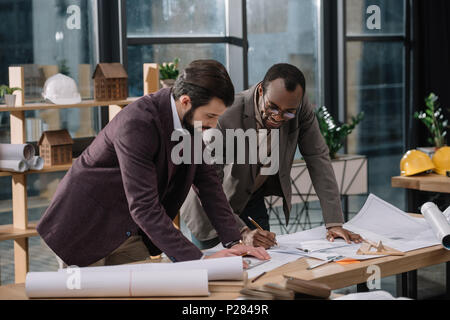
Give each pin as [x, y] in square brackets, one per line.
[278, 102]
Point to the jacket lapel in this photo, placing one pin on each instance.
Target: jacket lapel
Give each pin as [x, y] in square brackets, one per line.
[249, 121]
[165, 114]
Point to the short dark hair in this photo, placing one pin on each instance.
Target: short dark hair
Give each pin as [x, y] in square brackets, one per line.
[202, 80]
[291, 75]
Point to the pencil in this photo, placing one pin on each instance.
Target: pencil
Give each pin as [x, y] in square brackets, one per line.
[259, 277]
[258, 226]
[255, 223]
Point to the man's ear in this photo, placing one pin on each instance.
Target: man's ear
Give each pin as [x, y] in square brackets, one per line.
[260, 90]
[186, 103]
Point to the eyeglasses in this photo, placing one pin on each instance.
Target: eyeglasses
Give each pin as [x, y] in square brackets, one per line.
[275, 111]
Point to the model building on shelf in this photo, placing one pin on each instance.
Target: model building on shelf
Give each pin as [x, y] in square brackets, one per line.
[55, 147]
[110, 82]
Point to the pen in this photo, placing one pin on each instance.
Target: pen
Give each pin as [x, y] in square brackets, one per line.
[259, 277]
[258, 226]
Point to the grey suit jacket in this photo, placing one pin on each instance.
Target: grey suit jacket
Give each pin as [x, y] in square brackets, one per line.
[238, 179]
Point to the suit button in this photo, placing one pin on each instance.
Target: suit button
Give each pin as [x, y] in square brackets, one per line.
[249, 191]
[128, 233]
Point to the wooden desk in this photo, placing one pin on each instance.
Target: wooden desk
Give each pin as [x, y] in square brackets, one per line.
[333, 274]
[423, 182]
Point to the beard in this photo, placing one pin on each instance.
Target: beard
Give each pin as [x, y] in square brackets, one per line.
[188, 122]
[270, 123]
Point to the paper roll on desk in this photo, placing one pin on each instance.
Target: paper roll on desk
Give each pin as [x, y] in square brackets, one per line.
[77, 283]
[36, 163]
[438, 223]
[229, 268]
[16, 151]
[14, 165]
[447, 214]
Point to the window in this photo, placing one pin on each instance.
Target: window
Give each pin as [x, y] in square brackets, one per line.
[286, 31]
[376, 84]
[160, 31]
[160, 18]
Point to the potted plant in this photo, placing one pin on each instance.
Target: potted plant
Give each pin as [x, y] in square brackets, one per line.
[433, 119]
[8, 93]
[168, 73]
[333, 133]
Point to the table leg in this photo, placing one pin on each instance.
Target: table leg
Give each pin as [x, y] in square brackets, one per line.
[412, 284]
[447, 276]
[402, 285]
[362, 287]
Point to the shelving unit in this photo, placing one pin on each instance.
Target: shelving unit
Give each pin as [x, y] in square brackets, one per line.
[22, 229]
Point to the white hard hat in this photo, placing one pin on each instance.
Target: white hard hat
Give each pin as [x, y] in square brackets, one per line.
[61, 89]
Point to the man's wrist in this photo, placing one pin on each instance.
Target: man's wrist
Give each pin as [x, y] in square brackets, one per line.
[244, 229]
[333, 225]
[231, 244]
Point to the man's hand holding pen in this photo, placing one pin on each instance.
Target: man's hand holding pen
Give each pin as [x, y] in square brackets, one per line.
[258, 237]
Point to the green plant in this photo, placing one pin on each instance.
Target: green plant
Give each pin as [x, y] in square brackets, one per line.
[64, 68]
[333, 133]
[169, 70]
[433, 119]
[4, 89]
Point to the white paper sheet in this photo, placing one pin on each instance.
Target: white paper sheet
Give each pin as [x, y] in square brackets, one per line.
[446, 213]
[381, 221]
[277, 260]
[259, 266]
[229, 268]
[13, 165]
[36, 163]
[16, 151]
[437, 222]
[373, 295]
[125, 283]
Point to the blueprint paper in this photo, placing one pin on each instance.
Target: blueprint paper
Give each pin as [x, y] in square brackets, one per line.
[16, 151]
[381, 221]
[446, 213]
[36, 163]
[277, 260]
[229, 268]
[13, 165]
[124, 283]
[373, 295]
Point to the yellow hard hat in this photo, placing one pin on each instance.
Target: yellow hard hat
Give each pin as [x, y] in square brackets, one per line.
[441, 160]
[415, 162]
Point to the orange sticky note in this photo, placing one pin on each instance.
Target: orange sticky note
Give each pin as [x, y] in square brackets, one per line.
[347, 261]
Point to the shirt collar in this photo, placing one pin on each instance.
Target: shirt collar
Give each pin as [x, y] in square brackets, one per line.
[176, 118]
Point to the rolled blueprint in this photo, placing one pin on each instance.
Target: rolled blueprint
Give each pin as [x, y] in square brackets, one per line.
[447, 214]
[77, 283]
[36, 163]
[16, 151]
[438, 223]
[229, 268]
[13, 165]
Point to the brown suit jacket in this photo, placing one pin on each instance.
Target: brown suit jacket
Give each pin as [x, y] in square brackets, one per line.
[125, 184]
[238, 179]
